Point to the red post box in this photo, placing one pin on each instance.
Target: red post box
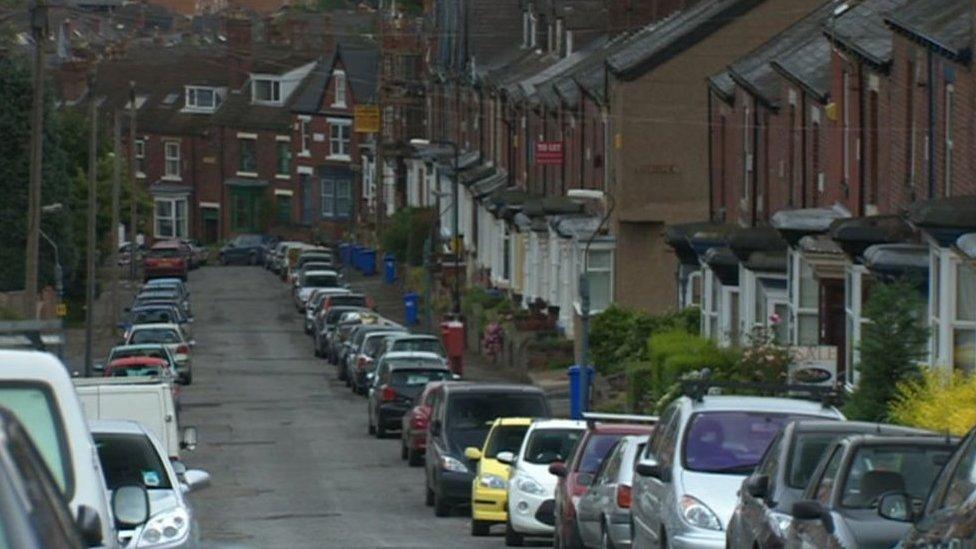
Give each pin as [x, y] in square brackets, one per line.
[452, 333]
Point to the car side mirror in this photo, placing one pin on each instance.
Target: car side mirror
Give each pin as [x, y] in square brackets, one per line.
[130, 505]
[89, 526]
[649, 467]
[195, 479]
[435, 427]
[558, 469]
[897, 507]
[189, 441]
[473, 453]
[757, 486]
[812, 510]
[508, 458]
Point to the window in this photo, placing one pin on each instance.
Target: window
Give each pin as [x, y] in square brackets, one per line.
[856, 286]
[140, 158]
[877, 470]
[247, 156]
[599, 272]
[34, 407]
[283, 209]
[804, 302]
[339, 138]
[267, 90]
[283, 158]
[172, 156]
[204, 99]
[339, 77]
[827, 479]
[306, 134]
[170, 218]
[950, 94]
[964, 320]
[712, 292]
[336, 198]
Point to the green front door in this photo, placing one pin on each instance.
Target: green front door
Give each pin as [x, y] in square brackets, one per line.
[245, 209]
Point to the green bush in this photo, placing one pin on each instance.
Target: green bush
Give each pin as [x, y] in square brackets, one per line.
[619, 335]
[406, 233]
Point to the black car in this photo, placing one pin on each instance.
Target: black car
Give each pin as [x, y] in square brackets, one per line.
[244, 249]
[360, 362]
[949, 516]
[762, 515]
[398, 381]
[840, 506]
[461, 417]
[323, 330]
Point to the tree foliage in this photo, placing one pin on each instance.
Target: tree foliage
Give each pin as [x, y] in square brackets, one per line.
[940, 401]
[619, 336]
[406, 233]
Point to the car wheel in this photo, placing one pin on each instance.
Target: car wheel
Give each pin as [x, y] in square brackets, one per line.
[404, 451]
[513, 538]
[428, 496]
[480, 527]
[441, 507]
[414, 458]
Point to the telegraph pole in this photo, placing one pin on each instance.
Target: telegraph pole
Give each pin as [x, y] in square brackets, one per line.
[134, 184]
[113, 233]
[92, 210]
[39, 33]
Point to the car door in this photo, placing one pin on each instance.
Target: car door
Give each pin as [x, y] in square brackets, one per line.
[434, 442]
[813, 533]
[374, 412]
[751, 511]
[600, 495]
[651, 493]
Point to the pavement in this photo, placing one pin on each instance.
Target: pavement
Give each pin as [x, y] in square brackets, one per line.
[285, 442]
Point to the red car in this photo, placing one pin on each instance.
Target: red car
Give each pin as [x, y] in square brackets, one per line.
[167, 259]
[134, 366]
[576, 475]
[413, 432]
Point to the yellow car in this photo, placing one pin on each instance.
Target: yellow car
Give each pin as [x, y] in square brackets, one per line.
[490, 486]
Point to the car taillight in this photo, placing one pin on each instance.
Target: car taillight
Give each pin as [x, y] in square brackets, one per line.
[182, 350]
[623, 496]
[387, 394]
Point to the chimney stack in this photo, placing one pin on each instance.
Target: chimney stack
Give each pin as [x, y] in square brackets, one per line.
[72, 79]
[238, 31]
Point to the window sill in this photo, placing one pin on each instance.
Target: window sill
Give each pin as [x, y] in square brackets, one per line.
[247, 174]
[305, 154]
[339, 106]
[140, 175]
[339, 157]
[285, 177]
[171, 178]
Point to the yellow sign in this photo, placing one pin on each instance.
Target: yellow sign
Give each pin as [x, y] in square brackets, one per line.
[62, 309]
[367, 119]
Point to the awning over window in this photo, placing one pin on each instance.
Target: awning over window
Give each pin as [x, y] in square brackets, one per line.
[476, 173]
[481, 189]
[795, 224]
[824, 255]
[245, 182]
[893, 261]
[724, 264]
[505, 203]
[945, 219]
[679, 236]
[766, 261]
[551, 205]
[856, 234]
[745, 241]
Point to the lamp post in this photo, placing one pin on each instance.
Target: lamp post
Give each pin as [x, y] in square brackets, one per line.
[58, 270]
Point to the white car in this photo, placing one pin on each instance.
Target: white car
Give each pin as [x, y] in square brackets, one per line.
[170, 335]
[688, 477]
[531, 487]
[129, 453]
[313, 280]
[314, 302]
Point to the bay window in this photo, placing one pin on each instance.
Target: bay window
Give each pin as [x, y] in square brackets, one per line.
[336, 198]
[169, 219]
[856, 285]
[964, 319]
[599, 273]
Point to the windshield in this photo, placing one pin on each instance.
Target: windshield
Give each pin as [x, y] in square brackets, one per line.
[373, 345]
[597, 448]
[155, 335]
[151, 316]
[158, 352]
[878, 470]
[354, 300]
[411, 377]
[34, 407]
[130, 459]
[807, 451]
[731, 442]
[470, 415]
[136, 371]
[547, 446]
[321, 281]
[505, 438]
[418, 345]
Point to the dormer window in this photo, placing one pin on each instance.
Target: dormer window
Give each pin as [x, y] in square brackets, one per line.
[339, 77]
[201, 98]
[266, 90]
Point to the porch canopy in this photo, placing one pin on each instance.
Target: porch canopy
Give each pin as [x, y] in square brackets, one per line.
[169, 189]
[854, 235]
[824, 255]
[575, 226]
[724, 264]
[679, 237]
[759, 248]
[484, 187]
[898, 261]
[795, 224]
[945, 219]
[966, 244]
[504, 203]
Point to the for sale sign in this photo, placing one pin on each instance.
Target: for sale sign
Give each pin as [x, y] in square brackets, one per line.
[549, 153]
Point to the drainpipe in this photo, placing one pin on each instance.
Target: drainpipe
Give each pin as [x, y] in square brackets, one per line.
[755, 162]
[930, 88]
[711, 168]
[862, 188]
[803, 149]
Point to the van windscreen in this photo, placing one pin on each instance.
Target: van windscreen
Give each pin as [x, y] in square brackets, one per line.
[34, 407]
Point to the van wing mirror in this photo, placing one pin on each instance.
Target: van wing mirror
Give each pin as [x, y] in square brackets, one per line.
[189, 441]
[897, 507]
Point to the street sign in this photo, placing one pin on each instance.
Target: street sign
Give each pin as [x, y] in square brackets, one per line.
[549, 153]
[367, 119]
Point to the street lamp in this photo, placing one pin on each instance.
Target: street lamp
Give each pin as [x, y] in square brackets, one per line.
[456, 245]
[58, 270]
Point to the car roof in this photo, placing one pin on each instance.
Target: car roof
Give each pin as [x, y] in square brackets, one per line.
[466, 387]
[442, 366]
[558, 424]
[137, 360]
[604, 428]
[854, 427]
[163, 281]
[740, 403]
[417, 336]
[927, 439]
[156, 325]
[413, 354]
[513, 421]
[321, 272]
[138, 346]
[116, 426]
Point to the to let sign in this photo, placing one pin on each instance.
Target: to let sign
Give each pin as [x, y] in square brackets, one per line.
[549, 153]
[367, 119]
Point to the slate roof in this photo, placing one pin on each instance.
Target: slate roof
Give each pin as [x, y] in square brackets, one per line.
[808, 66]
[662, 41]
[362, 70]
[755, 73]
[862, 30]
[539, 86]
[945, 25]
[723, 85]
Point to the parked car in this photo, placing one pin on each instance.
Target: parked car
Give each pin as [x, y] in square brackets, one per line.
[413, 426]
[460, 418]
[947, 519]
[705, 446]
[603, 517]
[131, 454]
[338, 299]
[314, 304]
[275, 261]
[153, 313]
[324, 336]
[841, 505]
[151, 350]
[413, 343]
[170, 335]
[489, 491]
[176, 283]
[312, 280]
[576, 475]
[398, 381]
[243, 249]
[37, 517]
[762, 516]
[360, 364]
[37, 389]
[531, 490]
[166, 259]
[344, 328]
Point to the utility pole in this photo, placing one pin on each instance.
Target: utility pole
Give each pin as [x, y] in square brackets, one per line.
[39, 34]
[134, 184]
[113, 233]
[92, 210]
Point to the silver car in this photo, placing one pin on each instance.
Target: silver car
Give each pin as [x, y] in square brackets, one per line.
[130, 454]
[603, 513]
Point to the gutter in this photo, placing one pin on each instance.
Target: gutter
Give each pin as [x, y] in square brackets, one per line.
[930, 90]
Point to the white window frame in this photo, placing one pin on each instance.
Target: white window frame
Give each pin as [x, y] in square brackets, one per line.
[339, 89]
[750, 284]
[140, 152]
[275, 90]
[711, 298]
[854, 321]
[177, 224]
[305, 135]
[333, 185]
[796, 264]
[583, 262]
[172, 167]
[192, 99]
[944, 266]
[278, 142]
[957, 324]
[694, 280]
[344, 142]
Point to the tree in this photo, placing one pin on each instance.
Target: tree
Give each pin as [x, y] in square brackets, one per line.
[892, 345]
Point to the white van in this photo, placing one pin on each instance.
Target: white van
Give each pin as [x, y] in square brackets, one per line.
[36, 387]
[145, 400]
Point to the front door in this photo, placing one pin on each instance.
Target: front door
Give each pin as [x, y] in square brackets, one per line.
[245, 214]
[211, 225]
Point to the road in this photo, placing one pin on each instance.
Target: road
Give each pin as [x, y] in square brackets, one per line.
[285, 442]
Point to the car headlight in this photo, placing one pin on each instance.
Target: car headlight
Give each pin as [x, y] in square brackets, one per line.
[450, 464]
[780, 522]
[529, 486]
[166, 527]
[698, 514]
[492, 481]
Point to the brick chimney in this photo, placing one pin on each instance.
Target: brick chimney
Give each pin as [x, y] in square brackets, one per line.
[72, 79]
[329, 37]
[239, 49]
